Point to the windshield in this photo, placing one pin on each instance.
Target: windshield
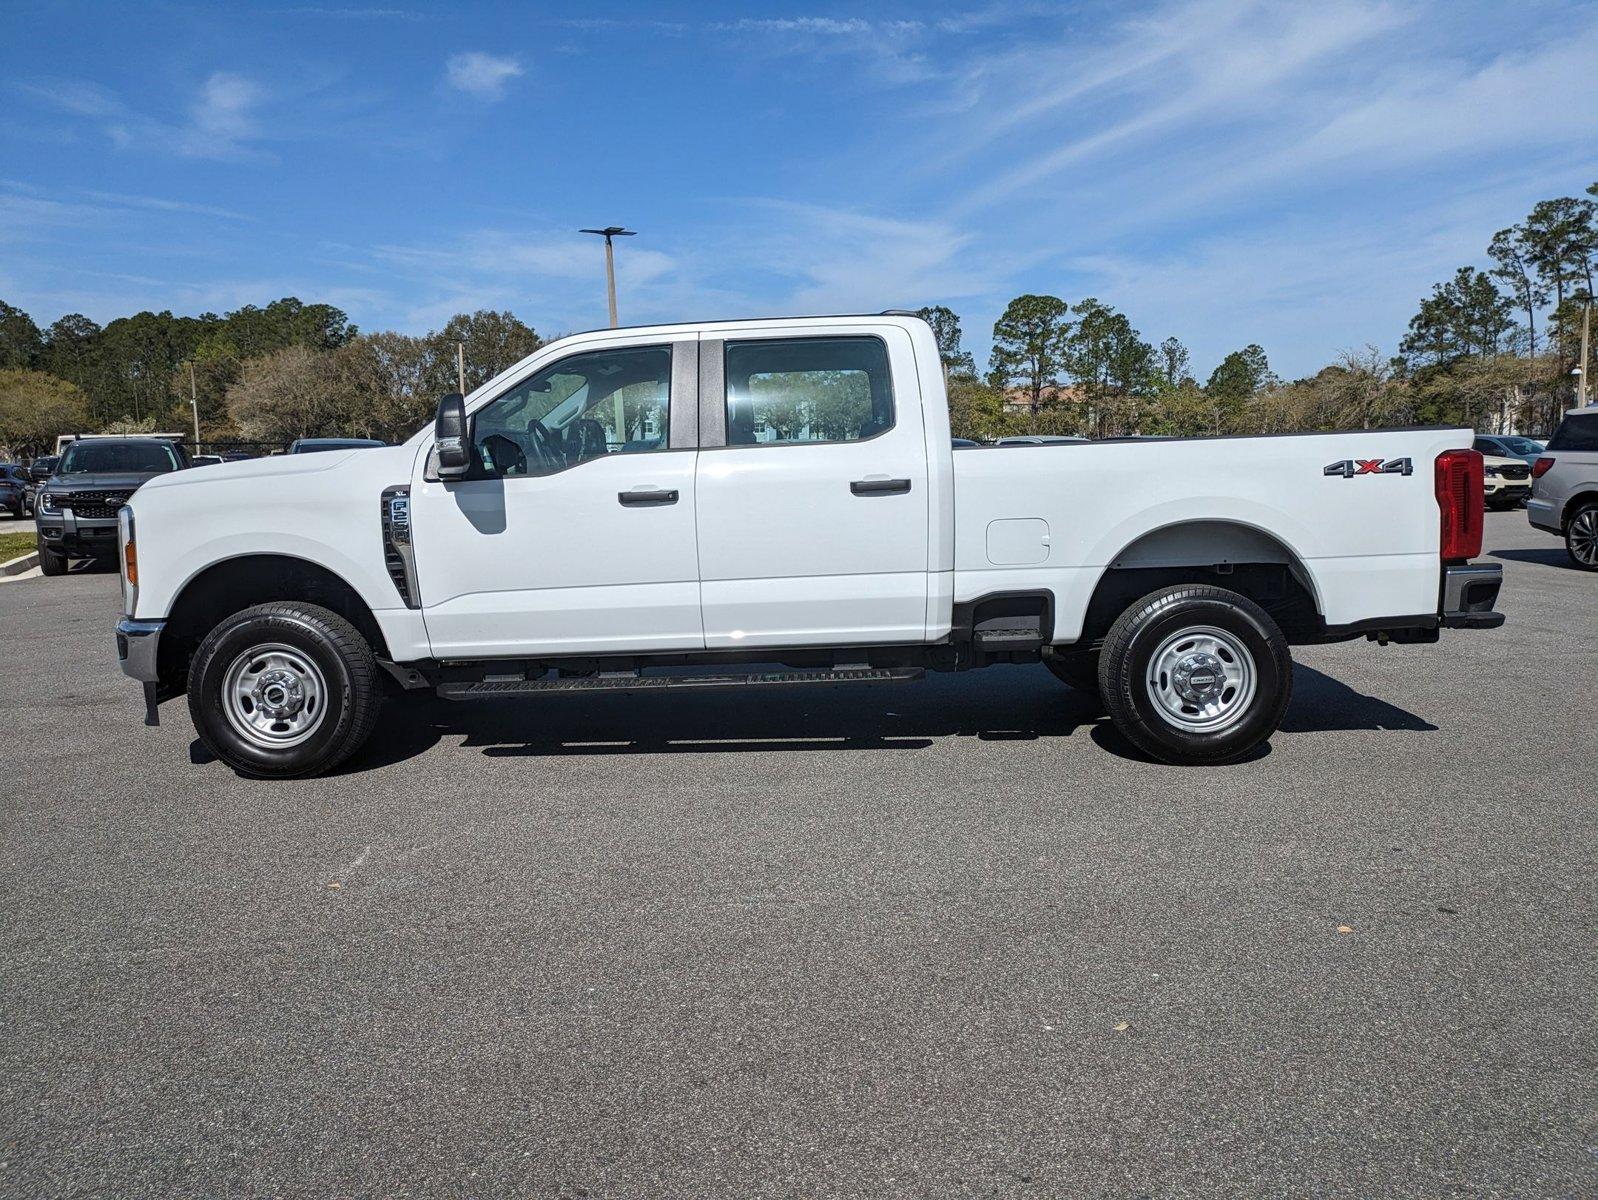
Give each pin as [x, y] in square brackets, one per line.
[142, 457]
[1520, 445]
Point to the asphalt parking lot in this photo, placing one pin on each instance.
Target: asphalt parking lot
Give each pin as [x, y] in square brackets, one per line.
[937, 940]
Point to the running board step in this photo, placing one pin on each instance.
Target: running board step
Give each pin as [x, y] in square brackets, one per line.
[499, 689]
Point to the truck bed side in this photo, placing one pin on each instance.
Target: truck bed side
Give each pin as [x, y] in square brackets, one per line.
[1056, 517]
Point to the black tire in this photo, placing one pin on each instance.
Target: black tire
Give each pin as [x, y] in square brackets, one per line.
[1077, 669]
[341, 657]
[1581, 537]
[51, 563]
[1157, 620]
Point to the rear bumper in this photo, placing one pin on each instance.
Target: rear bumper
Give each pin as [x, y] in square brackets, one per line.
[1469, 593]
[138, 644]
[1544, 514]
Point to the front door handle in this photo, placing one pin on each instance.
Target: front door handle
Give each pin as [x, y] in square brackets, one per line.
[879, 487]
[648, 496]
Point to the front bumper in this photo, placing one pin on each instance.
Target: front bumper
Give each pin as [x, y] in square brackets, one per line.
[1469, 593]
[1508, 491]
[138, 643]
[79, 537]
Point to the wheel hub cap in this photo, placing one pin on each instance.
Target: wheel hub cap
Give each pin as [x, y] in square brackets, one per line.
[1198, 677]
[274, 696]
[1202, 679]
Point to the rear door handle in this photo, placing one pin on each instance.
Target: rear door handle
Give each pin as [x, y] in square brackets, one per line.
[648, 496]
[879, 487]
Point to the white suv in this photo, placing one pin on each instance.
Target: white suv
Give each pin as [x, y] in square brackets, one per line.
[1564, 491]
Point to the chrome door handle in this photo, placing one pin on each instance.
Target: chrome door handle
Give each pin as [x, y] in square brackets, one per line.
[644, 497]
[879, 487]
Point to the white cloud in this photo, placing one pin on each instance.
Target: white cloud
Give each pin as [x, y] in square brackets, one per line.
[482, 75]
[222, 120]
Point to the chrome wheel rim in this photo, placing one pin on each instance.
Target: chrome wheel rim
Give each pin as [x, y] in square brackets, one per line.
[1201, 679]
[1584, 537]
[274, 696]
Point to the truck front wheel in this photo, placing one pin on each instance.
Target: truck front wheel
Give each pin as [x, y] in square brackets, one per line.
[1196, 674]
[283, 690]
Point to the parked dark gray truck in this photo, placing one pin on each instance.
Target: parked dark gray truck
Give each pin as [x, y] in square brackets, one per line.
[75, 510]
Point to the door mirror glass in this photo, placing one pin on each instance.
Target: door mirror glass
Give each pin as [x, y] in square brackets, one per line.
[451, 439]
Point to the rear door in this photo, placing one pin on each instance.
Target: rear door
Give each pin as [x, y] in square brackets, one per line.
[811, 488]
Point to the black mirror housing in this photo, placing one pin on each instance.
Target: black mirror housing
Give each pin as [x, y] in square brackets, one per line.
[452, 440]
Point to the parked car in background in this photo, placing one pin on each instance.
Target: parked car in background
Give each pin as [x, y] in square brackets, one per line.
[1505, 481]
[205, 460]
[316, 445]
[76, 509]
[963, 443]
[16, 490]
[1564, 494]
[1503, 445]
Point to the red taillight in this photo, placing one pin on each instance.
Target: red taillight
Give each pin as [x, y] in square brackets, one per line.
[1459, 496]
[1541, 467]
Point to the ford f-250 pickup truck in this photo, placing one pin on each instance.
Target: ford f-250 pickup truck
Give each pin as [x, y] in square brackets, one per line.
[747, 504]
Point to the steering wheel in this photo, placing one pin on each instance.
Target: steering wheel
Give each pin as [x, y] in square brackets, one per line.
[543, 447]
[505, 455]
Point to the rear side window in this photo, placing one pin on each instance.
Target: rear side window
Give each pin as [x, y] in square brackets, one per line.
[1576, 433]
[807, 390]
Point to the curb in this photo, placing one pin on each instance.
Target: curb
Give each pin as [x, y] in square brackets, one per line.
[18, 565]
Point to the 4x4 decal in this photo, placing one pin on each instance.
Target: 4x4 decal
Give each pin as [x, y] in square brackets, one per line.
[1351, 467]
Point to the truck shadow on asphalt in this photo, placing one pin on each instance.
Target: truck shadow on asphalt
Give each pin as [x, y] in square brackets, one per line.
[1001, 704]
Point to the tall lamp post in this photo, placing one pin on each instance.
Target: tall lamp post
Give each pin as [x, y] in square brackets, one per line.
[194, 404]
[609, 232]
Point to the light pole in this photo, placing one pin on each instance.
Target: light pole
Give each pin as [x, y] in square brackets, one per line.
[194, 403]
[609, 232]
[1586, 335]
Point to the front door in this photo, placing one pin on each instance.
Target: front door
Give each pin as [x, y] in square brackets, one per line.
[813, 516]
[574, 533]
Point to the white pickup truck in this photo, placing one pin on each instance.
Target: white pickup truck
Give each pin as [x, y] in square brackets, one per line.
[776, 503]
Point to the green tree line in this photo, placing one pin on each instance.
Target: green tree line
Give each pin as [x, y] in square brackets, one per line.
[1493, 349]
[271, 374]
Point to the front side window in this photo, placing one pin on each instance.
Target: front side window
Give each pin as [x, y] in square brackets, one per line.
[807, 390]
[580, 408]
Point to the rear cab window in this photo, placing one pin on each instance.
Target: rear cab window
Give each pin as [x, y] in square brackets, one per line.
[808, 390]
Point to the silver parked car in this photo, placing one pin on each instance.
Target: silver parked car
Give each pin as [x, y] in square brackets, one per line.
[1564, 490]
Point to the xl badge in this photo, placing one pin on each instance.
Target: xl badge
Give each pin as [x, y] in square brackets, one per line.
[1351, 467]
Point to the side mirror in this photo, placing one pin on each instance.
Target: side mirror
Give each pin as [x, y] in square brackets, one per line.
[452, 440]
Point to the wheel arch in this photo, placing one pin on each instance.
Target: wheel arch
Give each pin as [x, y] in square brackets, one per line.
[1588, 495]
[1220, 551]
[230, 585]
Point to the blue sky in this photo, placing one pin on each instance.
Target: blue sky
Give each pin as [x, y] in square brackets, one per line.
[1293, 174]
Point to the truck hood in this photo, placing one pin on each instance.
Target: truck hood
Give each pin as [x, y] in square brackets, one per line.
[280, 465]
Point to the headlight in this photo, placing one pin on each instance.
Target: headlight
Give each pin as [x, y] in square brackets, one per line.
[47, 503]
[1490, 471]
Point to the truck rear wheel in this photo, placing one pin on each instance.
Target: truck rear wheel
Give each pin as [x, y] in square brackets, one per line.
[1196, 674]
[284, 690]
